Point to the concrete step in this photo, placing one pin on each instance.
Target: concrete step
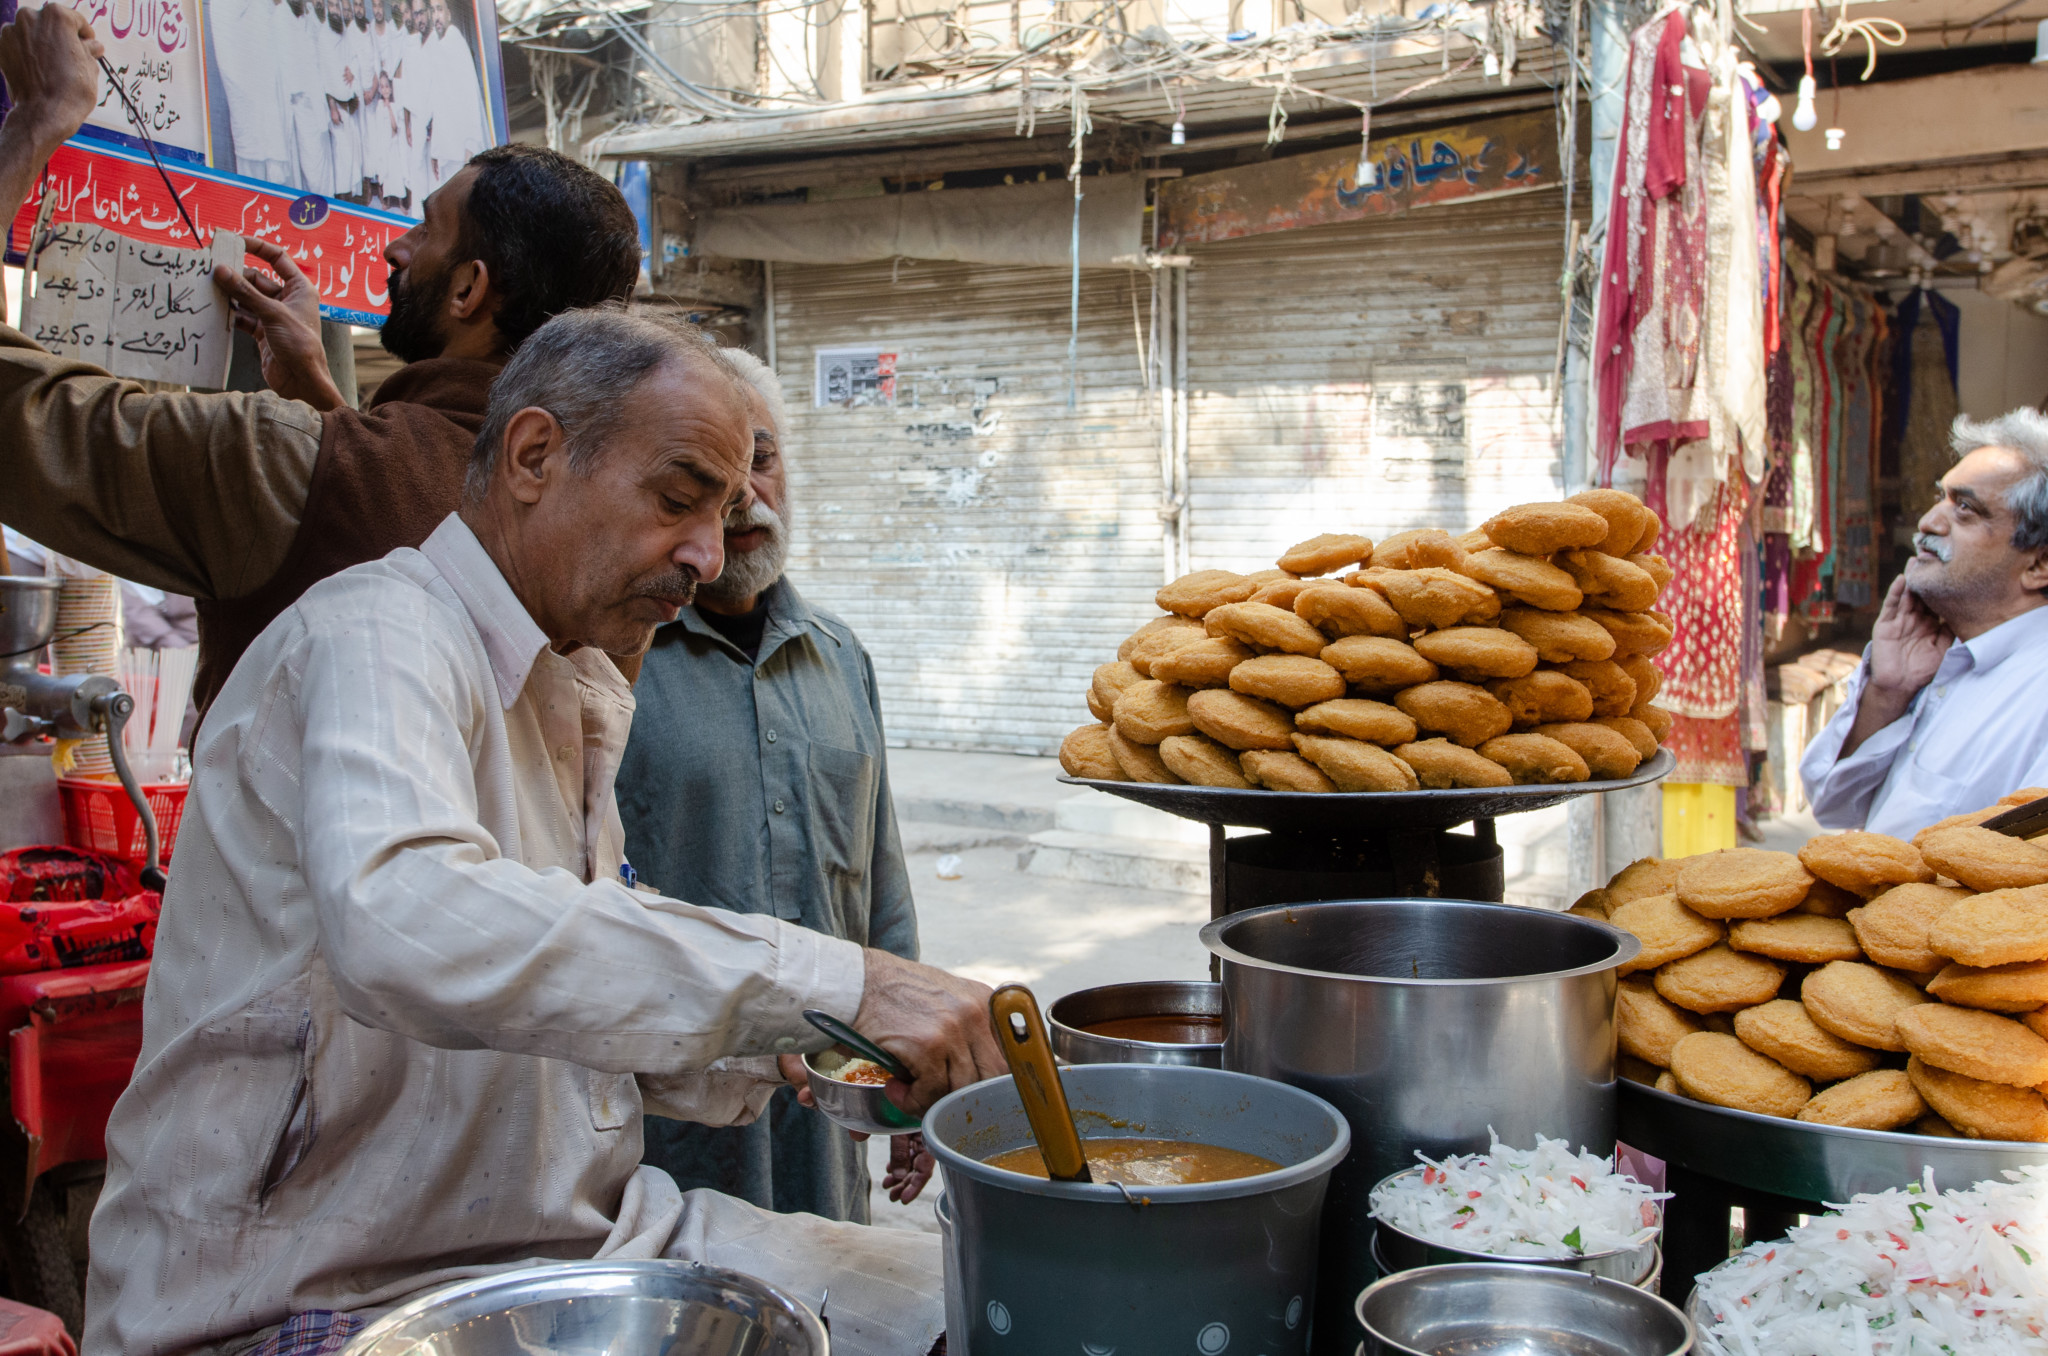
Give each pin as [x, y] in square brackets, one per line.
[1006, 816]
[922, 835]
[1107, 816]
[1136, 863]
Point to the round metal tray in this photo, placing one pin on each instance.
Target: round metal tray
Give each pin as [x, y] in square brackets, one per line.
[1348, 812]
[1823, 1163]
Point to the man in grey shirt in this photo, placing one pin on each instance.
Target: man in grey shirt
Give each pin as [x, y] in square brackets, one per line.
[755, 780]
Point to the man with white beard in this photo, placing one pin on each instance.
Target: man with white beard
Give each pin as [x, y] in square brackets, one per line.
[756, 777]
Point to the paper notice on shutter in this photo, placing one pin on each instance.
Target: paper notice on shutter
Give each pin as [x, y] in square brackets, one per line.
[134, 307]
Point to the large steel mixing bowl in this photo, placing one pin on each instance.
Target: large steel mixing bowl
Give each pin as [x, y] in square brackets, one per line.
[1498, 1309]
[600, 1308]
[1428, 1023]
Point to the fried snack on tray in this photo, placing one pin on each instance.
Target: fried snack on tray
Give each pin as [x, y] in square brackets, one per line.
[1278, 771]
[1742, 883]
[1784, 1030]
[1559, 637]
[1646, 1025]
[1722, 1070]
[1201, 761]
[1293, 680]
[1655, 566]
[1150, 647]
[1354, 765]
[1535, 759]
[1643, 877]
[1206, 663]
[1337, 610]
[1468, 715]
[1610, 580]
[1543, 698]
[1801, 938]
[2026, 795]
[1883, 1099]
[1608, 754]
[1148, 712]
[1476, 653]
[1595, 900]
[1240, 722]
[1994, 928]
[1666, 1083]
[1985, 859]
[1979, 1109]
[1633, 632]
[1860, 1003]
[1636, 1070]
[1626, 515]
[1416, 550]
[1086, 753]
[1539, 529]
[1108, 684]
[1719, 979]
[1613, 691]
[1433, 596]
[1971, 819]
[1649, 682]
[1933, 1125]
[1667, 929]
[2020, 987]
[1378, 663]
[1194, 595]
[1153, 628]
[1865, 863]
[1978, 1044]
[1828, 901]
[1656, 718]
[1140, 762]
[1321, 555]
[1634, 731]
[1357, 718]
[1525, 579]
[1440, 765]
[1284, 592]
[1265, 627]
[1893, 927]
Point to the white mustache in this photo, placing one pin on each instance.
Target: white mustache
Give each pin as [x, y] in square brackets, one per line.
[756, 514]
[1938, 547]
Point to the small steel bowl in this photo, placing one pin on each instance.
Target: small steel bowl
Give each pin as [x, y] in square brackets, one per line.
[596, 1308]
[857, 1106]
[1397, 1250]
[1500, 1309]
[1066, 1019]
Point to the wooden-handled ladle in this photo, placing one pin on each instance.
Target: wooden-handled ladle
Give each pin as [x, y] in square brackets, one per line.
[1021, 1031]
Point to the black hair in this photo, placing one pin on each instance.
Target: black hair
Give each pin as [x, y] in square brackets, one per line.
[554, 234]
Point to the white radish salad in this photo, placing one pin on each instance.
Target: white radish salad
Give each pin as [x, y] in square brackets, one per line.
[1542, 1202]
[1893, 1273]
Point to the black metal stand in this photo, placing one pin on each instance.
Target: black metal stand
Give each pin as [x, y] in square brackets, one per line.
[1698, 1230]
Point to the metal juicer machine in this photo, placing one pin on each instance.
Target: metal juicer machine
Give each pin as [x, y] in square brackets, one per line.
[33, 703]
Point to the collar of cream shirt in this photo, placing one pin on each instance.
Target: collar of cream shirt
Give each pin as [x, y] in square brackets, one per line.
[1998, 644]
[512, 639]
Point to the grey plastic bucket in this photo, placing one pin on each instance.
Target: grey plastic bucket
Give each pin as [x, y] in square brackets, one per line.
[1036, 1266]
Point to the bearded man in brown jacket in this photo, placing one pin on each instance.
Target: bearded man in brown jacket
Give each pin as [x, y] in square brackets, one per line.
[243, 500]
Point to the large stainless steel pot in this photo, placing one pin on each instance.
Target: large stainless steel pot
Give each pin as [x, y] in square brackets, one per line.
[1038, 1266]
[1068, 1019]
[1427, 1022]
[599, 1308]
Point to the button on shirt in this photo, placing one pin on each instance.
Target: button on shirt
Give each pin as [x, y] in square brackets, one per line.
[1978, 730]
[403, 1016]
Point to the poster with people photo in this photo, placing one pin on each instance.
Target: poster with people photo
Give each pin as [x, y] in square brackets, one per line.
[372, 102]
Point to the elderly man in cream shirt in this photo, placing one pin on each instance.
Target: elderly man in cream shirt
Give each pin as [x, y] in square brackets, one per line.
[405, 1014]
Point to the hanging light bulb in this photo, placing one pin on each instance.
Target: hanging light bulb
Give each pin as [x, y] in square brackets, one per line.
[1368, 173]
[1806, 117]
[1834, 136]
[2041, 44]
[1491, 65]
[1180, 133]
[1824, 253]
[1770, 110]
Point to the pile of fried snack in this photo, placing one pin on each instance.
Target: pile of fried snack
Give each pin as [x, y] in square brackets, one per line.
[1867, 982]
[1517, 653]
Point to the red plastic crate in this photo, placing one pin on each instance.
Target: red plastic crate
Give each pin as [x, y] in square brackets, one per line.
[97, 815]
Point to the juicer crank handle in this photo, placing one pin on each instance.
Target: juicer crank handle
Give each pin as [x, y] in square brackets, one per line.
[1021, 1030]
[110, 713]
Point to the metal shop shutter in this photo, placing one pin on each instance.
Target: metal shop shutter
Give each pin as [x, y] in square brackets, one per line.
[989, 544]
[1372, 377]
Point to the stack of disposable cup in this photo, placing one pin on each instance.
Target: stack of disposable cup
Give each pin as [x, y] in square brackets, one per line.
[88, 640]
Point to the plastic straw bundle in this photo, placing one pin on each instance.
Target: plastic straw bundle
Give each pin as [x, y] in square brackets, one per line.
[161, 683]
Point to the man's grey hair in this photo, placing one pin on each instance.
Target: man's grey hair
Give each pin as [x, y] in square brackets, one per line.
[2025, 431]
[762, 378]
[580, 367]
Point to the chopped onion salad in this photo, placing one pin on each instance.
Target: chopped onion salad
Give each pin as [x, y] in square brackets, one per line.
[1546, 1202]
[1893, 1273]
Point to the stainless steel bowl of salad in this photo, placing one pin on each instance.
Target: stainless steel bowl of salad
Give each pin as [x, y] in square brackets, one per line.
[1548, 1206]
